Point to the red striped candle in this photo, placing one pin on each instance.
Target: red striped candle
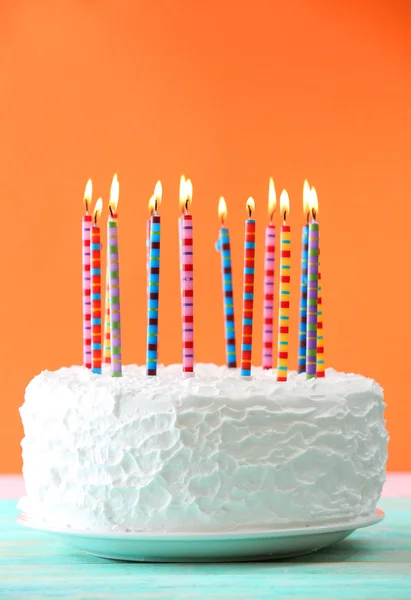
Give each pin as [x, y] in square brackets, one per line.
[96, 346]
[86, 236]
[248, 292]
[269, 269]
[187, 276]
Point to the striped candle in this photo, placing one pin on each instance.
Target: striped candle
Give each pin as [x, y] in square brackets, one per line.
[187, 278]
[114, 281]
[312, 293]
[302, 341]
[284, 301]
[269, 270]
[248, 292]
[153, 296]
[320, 332]
[153, 281]
[107, 342]
[96, 291]
[86, 264]
[223, 246]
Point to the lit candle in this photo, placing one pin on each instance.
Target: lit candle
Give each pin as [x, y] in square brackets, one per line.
[284, 305]
[223, 246]
[114, 281]
[269, 270]
[153, 282]
[248, 291]
[312, 282]
[86, 235]
[96, 290]
[187, 275]
[302, 343]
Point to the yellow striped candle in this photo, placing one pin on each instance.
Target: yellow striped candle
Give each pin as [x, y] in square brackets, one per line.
[284, 296]
[320, 366]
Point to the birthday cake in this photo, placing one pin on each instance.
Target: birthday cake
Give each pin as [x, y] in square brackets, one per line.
[211, 453]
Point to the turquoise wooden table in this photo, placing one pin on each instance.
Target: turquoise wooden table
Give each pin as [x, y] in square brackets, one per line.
[372, 563]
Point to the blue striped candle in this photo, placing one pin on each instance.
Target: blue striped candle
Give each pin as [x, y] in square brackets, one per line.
[223, 246]
[153, 296]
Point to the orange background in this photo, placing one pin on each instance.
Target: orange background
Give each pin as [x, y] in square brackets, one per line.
[228, 93]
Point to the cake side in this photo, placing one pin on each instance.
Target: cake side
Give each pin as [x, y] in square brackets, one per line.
[211, 453]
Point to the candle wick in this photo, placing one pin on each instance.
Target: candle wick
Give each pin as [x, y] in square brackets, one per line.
[111, 210]
[250, 212]
[186, 205]
[285, 217]
[308, 217]
[314, 213]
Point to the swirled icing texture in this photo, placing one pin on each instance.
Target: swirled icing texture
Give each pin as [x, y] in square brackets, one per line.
[211, 453]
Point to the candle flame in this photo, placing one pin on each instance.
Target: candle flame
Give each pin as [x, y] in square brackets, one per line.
[272, 199]
[186, 193]
[284, 204]
[97, 210]
[313, 202]
[114, 193]
[152, 205]
[306, 198]
[189, 190]
[158, 193]
[222, 210]
[250, 205]
[87, 194]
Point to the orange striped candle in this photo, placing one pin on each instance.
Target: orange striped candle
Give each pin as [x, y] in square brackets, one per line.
[284, 296]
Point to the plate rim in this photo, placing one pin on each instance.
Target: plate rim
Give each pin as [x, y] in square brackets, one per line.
[26, 520]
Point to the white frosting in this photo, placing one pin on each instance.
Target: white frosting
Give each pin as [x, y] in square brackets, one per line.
[211, 453]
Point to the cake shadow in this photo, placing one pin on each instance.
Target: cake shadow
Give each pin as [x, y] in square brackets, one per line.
[344, 551]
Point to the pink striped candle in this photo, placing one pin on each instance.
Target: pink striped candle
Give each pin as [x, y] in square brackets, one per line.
[107, 338]
[86, 261]
[187, 276]
[269, 269]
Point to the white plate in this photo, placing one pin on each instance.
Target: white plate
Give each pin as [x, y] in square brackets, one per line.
[203, 547]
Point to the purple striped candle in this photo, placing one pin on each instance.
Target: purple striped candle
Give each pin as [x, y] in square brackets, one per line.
[114, 282]
[312, 296]
[86, 262]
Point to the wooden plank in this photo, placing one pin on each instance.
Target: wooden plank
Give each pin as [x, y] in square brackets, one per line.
[372, 563]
